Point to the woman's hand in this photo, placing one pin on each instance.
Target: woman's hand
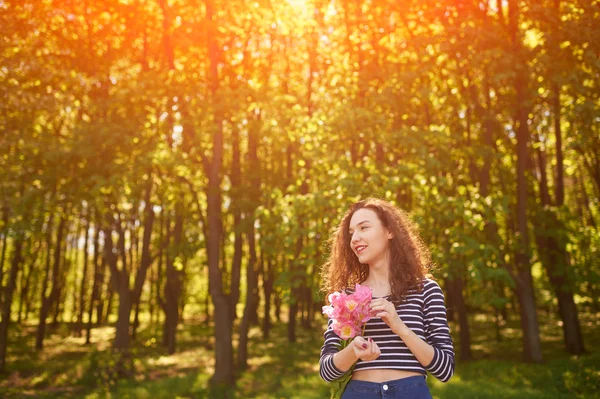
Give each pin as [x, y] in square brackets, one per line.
[365, 349]
[383, 308]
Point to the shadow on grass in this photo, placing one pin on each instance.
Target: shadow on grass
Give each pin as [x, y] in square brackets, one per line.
[279, 369]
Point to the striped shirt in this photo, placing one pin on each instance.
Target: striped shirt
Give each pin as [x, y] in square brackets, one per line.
[425, 314]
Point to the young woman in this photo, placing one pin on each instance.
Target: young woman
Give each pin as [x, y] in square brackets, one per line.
[378, 246]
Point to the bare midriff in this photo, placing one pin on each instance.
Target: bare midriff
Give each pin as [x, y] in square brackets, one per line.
[382, 375]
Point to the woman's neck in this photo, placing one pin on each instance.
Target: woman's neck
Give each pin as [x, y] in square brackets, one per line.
[378, 281]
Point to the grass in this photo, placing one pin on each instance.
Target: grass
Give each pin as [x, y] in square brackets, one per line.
[279, 369]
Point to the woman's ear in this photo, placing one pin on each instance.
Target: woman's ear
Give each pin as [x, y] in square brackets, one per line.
[390, 235]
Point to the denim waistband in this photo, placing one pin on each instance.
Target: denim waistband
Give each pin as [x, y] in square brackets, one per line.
[389, 386]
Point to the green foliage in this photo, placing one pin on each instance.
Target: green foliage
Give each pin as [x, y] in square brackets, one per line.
[414, 102]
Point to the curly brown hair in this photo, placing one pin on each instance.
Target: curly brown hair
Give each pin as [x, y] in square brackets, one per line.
[410, 260]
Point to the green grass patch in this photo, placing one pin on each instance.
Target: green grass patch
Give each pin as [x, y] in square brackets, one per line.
[67, 368]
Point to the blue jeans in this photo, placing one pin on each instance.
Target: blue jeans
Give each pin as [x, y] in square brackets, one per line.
[404, 388]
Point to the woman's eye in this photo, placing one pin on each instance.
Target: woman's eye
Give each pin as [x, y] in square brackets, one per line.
[364, 227]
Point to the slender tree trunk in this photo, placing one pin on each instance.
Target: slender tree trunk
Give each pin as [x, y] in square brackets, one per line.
[152, 295]
[124, 311]
[164, 261]
[238, 252]
[254, 191]
[136, 320]
[48, 301]
[120, 279]
[96, 283]
[563, 287]
[268, 279]
[107, 305]
[585, 200]
[104, 297]
[251, 298]
[60, 282]
[207, 301]
[105, 290]
[173, 286]
[277, 301]
[120, 284]
[72, 262]
[461, 310]
[6, 305]
[223, 374]
[552, 252]
[84, 277]
[297, 279]
[146, 258]
[296, 288]
[524, 283]
[306, 306]
[292, 314]
[3, 256]
[165, 238]
[25, 280]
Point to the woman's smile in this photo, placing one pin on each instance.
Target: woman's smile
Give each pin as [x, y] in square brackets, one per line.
[359, 249]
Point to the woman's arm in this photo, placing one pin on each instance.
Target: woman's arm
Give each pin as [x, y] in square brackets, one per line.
[437, 332]
[421, 349]
[436, 354]
[387, 311]
[335, 363]
[359, 348]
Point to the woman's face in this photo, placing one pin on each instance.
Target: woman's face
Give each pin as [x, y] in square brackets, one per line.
[369, 239]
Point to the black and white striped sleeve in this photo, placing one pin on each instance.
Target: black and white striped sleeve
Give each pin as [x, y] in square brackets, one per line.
[437, 332]
[328, 370]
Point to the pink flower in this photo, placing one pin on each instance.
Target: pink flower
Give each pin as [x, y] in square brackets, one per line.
[351, 304]
[346, 331]
[349, 312]
[329, 311]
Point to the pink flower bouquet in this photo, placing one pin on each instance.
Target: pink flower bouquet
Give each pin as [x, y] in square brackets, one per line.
[349, 314]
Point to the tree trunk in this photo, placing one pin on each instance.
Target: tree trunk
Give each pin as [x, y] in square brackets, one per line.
[461, 310]
[254, 191]
[268, 279]
[120, 284]
[529, 323]
[223, 374]
[525, 292]
[108, 309]
[173, 286]
[48, 301]
[295, 288]
[164, 260]
[8, 296]
[25, 282]
[307, 305]
[146, 258]
[136, 320]
[4, 241]
[105, 291]
[553, 254]
[251, 299]
[277, 301]
[82, 285]
[297, 275]
[563, 288]
[96, 282]
[292, 313]
[121, 341]
[238, 243]
[207, 301]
